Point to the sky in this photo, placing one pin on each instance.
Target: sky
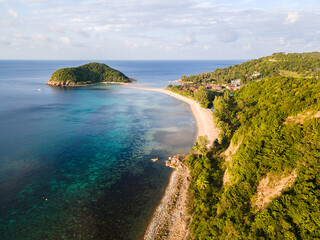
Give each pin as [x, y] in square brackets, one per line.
[157, 29]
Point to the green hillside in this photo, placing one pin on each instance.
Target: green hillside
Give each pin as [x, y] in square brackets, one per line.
[278, 64]
[86, 74]
[261, 180]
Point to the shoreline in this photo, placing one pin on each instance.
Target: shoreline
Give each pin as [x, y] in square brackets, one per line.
[203, 117]
[170, 220]
[90, 84]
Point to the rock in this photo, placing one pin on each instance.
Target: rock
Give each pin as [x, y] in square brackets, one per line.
[176, 161]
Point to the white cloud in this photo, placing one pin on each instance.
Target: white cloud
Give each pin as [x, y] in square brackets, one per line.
[133, 44]
[247, 46]
[110, 27]
[55, 29]
[5, 21]
[192, 26]
[39, 37]
[283, 41]
[292, 18]
[13, 13]
[226, 36]
[65, 40]
[190, 38]
[5, 42]
[207, 47]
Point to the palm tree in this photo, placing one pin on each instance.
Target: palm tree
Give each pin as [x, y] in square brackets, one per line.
[201, 147]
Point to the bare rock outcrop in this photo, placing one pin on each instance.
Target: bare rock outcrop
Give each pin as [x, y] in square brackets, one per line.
[271, 187]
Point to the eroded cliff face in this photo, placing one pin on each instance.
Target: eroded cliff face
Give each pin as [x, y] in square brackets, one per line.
[271, 187]
[53, 82]
[302, 117]
[232, 149]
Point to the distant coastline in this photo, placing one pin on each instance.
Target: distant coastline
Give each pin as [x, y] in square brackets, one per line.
[170, 219]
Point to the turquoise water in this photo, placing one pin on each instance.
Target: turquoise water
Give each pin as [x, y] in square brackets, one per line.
[75, 162]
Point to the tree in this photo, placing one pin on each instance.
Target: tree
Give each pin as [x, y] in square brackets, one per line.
[201, 146]
[202, 97]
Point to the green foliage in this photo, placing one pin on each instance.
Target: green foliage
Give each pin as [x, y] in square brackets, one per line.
[224, 114]
[205, 189]
[201, 95]
[87, 74]
[293, 64]
[178, 89]
[201, 146]
[256, 119]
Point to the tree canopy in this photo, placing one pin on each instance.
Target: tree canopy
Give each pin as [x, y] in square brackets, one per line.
[278, 64]
[270, 132]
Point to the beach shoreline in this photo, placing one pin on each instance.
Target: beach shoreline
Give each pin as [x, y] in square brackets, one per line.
[203, 117]
[170, 220]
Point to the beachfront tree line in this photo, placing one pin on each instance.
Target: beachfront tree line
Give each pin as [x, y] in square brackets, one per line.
[201, 95]
[274, 126]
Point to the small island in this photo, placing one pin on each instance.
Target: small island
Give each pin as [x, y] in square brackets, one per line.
[90, 73]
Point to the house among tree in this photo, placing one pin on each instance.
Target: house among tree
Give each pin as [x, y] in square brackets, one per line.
[193, 88]
[231, 86]
[214, 87]
[184, 88]
[256, 74]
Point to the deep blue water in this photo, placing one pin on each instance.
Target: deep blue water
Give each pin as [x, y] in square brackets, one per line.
[75, 162]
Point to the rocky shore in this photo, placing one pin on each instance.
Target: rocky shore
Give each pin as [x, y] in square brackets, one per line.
[170, 220]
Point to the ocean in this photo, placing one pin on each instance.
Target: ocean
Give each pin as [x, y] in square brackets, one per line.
[75, 162]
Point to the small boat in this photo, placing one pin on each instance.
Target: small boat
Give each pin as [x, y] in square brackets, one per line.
[154, 159]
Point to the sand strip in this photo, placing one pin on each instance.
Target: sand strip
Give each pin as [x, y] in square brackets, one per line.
[170, 220]
[203, 116]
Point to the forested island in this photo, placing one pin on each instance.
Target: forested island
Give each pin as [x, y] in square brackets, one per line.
[260, 180]
[90, 73]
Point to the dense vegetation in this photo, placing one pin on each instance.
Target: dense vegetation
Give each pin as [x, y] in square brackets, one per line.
[201, 95]
[87, 74]
[278, 64]
[274, 128]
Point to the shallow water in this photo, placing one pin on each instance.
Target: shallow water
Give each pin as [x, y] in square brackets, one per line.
[75, 162]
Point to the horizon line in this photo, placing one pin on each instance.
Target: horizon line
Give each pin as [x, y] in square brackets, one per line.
[26, 59]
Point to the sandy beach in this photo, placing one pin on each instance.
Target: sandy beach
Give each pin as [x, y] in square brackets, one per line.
[170, 220]
[203, 116]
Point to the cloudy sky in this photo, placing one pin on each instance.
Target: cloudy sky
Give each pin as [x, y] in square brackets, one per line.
[157, 29]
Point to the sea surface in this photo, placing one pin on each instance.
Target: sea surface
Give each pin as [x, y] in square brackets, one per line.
[75, 162]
